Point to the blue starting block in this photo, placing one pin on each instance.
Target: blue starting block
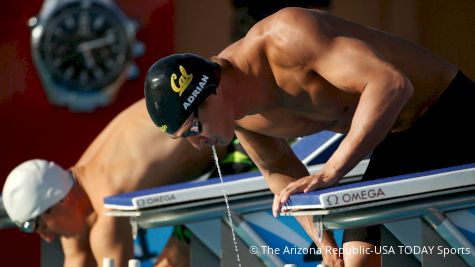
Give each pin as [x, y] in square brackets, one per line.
[200, 206]
[442, 201]
[433, 208]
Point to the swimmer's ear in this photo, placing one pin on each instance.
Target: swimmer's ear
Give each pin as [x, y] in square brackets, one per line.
[66, 200]
[214, 90]
[69, 199]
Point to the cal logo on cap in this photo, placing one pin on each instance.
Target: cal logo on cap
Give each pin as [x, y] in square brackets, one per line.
[183, 82]
[164, 128]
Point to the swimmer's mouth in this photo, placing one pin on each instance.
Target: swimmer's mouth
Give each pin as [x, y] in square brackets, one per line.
[214, 141]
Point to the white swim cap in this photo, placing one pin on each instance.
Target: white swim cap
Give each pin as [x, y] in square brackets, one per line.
[33, 187]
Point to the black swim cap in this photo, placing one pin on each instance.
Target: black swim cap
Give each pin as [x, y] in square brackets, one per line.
[176, 85]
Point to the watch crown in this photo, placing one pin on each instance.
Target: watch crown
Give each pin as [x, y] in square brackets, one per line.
[138, 49]
[135, 24]
[32, 22]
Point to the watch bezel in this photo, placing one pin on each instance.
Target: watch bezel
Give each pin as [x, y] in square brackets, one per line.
[58, 94]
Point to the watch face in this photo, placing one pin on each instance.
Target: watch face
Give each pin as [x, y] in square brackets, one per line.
[84, 47]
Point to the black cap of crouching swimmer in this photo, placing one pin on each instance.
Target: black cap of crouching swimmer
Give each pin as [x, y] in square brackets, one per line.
[176, 85]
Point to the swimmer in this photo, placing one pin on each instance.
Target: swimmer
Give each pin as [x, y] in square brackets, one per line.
[300, 71]
[128, 155]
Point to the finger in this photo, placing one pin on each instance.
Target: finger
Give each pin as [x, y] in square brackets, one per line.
[284, 195]
[288, 191]
[310, 187]
[276, 206]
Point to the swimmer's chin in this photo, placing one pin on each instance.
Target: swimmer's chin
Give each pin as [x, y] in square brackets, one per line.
[218, 142]
[223, 143]
[70, 235]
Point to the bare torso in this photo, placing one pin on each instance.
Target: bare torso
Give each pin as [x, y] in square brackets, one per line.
[303, 102]
[131, 153]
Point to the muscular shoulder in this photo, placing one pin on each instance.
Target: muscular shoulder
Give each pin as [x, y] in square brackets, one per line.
[293, 21]
[293, 34]
[292, 15]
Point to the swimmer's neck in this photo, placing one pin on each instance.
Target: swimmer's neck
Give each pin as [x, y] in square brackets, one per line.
[79, 192]
[244, 97]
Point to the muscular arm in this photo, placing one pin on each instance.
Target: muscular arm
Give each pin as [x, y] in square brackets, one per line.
[383, 90]
[112, 238]
[274, 158]
[352, 66]
[280, 167]
[77, 252]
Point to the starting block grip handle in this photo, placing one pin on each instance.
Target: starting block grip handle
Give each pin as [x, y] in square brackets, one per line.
[107, 262]
[134, 263]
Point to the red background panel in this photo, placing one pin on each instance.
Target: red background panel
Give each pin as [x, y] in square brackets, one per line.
[32, 128]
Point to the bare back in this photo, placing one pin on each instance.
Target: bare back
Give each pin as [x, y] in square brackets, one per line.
[305, 97]
[301, 71]
[131, 153]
